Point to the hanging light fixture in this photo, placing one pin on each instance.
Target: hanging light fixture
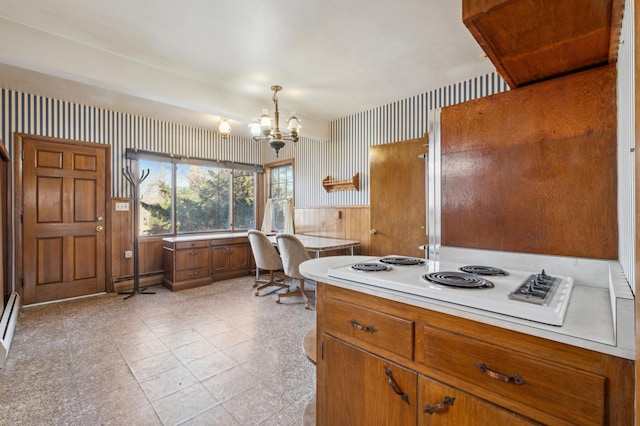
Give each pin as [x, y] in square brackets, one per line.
[264, 130]
[224, 128]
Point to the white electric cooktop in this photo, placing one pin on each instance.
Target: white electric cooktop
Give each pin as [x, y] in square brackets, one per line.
[551, 291]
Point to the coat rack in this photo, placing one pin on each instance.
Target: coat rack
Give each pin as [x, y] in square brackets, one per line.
[135, 183]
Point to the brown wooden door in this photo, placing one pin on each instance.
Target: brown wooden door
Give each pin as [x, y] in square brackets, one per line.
[398, 198]
[64, 206]
[362, 389]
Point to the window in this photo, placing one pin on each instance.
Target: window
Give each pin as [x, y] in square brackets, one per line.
[280, 189]
[189, 196]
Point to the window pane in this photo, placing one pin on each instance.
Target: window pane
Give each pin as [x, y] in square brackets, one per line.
[280, 188]
[203, 199]
[278, 214]
[155, 198]
[244, 216]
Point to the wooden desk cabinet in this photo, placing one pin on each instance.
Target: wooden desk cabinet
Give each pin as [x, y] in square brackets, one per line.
[192, 261]
[384, 362]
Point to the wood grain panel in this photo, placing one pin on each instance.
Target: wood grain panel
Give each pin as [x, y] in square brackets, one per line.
[398, 198]
[534, 169]
[346, 222]
[85, 203]
[534, 40]
[85, 248]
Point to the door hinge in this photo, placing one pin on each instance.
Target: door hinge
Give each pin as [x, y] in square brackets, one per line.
[21, 219]
[22, 155]
[21, 282]
[322, 350]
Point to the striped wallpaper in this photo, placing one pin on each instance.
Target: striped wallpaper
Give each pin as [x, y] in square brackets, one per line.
[344, 154]
[26, 113]
[347, 151]
[626, 147]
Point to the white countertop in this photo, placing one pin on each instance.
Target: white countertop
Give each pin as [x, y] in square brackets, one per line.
[211, 236]
[589, 322]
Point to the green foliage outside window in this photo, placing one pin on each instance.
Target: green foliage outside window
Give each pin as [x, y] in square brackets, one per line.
[204, 197]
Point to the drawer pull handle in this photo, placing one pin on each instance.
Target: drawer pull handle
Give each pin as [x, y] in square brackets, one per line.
[394, 386]
[448, 401]
[367, 328]
[515, 379]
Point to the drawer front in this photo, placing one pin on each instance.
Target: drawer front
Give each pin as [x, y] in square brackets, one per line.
[192, 274]
[191, 244]
[359, 324]
[192, 258]
[560, 391]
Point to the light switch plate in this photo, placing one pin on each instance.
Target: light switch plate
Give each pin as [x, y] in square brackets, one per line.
[122, 207]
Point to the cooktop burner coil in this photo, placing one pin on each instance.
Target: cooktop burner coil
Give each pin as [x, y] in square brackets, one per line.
[458, 279]
[370, 267]
[484, 270]
[401, 260]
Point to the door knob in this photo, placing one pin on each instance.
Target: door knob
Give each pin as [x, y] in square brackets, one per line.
[373, 231]
[99, 219]
[99, 228]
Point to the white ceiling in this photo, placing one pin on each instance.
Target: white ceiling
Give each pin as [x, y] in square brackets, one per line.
[197, 60]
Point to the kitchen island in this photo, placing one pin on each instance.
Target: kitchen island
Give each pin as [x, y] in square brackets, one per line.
[419, 360]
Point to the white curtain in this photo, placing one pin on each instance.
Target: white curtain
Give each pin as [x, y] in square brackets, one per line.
[289, 226]
[266, 220]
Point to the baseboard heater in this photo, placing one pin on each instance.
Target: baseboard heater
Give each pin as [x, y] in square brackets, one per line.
[8, 325]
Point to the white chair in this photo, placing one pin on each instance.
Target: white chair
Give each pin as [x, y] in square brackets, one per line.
[267, 259]
[293, 253]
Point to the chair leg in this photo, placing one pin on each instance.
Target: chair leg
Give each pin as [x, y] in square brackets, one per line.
[299, 292]
[273, 281]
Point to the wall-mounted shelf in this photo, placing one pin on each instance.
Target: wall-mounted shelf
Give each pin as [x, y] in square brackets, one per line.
[341, 184]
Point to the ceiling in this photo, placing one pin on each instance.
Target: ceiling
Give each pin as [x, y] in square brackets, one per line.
[194, 61]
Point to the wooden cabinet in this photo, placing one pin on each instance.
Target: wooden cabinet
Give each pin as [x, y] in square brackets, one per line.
[384, 362]
[439, 404]
[365, 389]
[530, 41]
[192, 262]
[186, 264]
[230, 258]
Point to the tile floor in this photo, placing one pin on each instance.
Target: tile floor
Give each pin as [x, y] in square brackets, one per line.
[215, 355]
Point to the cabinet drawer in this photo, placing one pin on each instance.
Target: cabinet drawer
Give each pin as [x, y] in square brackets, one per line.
[192, 258]
[505, 376]
[191, 244]
[359, 324]
[192, 274]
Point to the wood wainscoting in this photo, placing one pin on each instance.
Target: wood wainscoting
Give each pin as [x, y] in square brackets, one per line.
[150, 250]
[349, 223]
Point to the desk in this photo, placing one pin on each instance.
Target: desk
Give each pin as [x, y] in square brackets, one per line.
[320, 244]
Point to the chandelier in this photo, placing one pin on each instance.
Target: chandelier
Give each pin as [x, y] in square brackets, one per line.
[269, 130]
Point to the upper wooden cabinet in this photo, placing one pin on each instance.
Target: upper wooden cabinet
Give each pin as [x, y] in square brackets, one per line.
[534, 40]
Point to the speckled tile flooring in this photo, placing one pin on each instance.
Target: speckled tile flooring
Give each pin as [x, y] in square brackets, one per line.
[215, 355]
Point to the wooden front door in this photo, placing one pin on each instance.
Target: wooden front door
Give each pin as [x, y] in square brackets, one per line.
[63, 201]
[398, 198]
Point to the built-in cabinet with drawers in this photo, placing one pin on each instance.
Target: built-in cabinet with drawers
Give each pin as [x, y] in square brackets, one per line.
[193, 261]
[384, 362]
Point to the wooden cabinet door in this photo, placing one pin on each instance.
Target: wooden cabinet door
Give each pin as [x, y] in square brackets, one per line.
[362, 389]
[219, 259]
[398, 198]
[240, 257]
[192, 258]
[439, 404]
